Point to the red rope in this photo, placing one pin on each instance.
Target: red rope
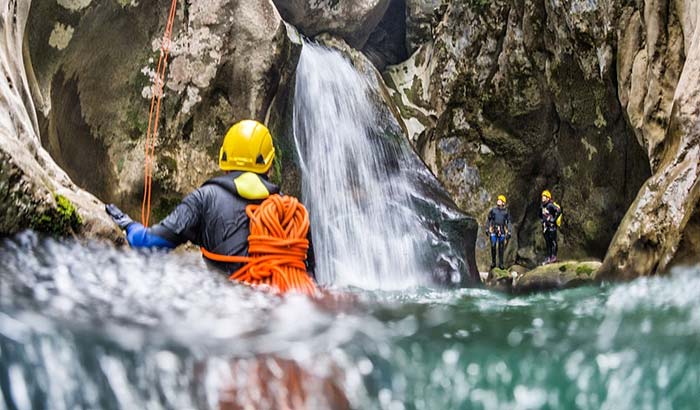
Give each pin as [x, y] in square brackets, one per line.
[154, 115]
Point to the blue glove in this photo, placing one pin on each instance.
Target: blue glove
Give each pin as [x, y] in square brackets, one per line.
[119, 217]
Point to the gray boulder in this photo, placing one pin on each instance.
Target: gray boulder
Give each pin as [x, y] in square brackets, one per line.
[352, 20]
[563, 275]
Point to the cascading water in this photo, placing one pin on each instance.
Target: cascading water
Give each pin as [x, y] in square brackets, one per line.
[364, 229]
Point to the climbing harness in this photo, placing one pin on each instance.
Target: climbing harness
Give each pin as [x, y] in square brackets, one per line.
[277, 246]
[154, 114]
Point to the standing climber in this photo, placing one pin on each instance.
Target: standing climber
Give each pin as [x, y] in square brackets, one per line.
[499, 229]
[550, 215]
[214, 216]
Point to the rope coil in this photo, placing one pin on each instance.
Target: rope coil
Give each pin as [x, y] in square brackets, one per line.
[277, 246]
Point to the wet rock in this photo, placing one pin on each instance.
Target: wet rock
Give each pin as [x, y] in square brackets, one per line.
[387, 43]
[524, 95]
[34, 191]
[660, 81]
[420, 18]
[353, 20]
[500, 280]
[228, 61]
[555, 276]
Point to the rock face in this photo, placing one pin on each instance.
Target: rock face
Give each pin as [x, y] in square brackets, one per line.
[595, 100]
[94, 64]
[660, 87]
[352, 20]
[387, 43]
[515, 97]
[419, 22]
[34, 191]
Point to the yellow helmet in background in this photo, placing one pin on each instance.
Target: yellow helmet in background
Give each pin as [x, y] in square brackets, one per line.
[547, 194]
[247, 146]
[502, 198]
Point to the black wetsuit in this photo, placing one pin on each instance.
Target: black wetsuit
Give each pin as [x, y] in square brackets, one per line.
[549, 212]
[498, 226]
[214, 217]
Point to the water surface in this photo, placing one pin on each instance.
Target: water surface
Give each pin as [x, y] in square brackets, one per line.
[90, 326]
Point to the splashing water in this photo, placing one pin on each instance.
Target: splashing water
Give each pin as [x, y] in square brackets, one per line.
[96, 327]
[365, 231]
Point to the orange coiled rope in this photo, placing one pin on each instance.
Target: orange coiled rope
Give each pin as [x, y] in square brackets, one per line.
[154, 115]
[277, 246]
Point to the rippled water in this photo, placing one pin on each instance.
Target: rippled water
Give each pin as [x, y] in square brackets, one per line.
[89, 326]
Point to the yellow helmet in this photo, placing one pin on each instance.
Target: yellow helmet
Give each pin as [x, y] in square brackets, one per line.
[502, 198]
[247, 147]
[547, 194]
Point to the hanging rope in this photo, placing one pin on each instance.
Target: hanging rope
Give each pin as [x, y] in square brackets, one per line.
[277, 246]
[278, 227]
[154, 115]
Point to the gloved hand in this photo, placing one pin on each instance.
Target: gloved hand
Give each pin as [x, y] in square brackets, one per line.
[119, 217]
[508, 236]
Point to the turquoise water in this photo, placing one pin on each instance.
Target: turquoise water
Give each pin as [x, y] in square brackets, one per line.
[89, 326]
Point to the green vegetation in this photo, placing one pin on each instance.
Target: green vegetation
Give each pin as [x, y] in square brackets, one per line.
[59, 221]
[137, 123]
[500, 273]
[276, 177]
[584, 270]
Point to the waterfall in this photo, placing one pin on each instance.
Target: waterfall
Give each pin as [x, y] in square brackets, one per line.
[365, 231]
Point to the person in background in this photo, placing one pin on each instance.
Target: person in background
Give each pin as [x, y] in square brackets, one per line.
[550, 215]
[499, 229]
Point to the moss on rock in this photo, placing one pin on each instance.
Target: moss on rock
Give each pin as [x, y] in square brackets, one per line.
[59, 221]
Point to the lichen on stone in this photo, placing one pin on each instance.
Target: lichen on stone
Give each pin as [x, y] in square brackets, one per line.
[590, 149]
[61, 36]
[128, 3]
[74, 5]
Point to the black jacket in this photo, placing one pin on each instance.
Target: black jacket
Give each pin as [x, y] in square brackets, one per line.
[214, 217]
[549, 212]
[499, 219]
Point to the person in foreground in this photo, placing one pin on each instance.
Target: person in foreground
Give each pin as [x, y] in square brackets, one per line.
[214, 216]
[499, 230]
[550, 215]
